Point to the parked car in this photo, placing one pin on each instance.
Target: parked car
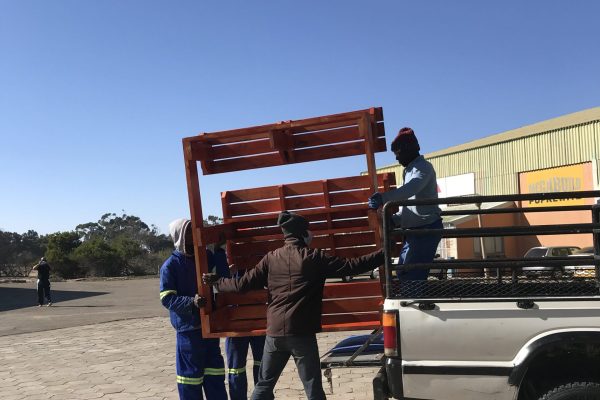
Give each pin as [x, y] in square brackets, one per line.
[542, 252]
[585, 251]
[582, 271]
[371, 274]
[434, 272]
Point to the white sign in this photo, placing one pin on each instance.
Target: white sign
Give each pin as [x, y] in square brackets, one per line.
[457, 185]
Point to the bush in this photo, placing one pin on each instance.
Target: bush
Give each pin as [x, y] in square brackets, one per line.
[98, 258]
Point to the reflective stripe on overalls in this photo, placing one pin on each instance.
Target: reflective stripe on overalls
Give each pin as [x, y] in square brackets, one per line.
[199, 367]
[237, 350]
[166, 293]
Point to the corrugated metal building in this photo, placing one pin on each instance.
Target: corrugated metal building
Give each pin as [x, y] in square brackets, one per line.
[557, 155]
[497, 160]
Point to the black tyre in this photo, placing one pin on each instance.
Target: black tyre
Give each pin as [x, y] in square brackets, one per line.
[346, 278]
[574, 391]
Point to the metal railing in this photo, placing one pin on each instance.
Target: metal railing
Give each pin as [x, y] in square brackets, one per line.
[510, 281]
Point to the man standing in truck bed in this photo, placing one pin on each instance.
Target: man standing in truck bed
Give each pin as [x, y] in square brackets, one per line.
[419, 183]
[295, 276]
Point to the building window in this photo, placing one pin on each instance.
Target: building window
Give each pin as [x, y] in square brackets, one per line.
[494, 247]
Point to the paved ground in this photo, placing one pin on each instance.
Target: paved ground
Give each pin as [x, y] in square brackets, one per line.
[115, 343]
[77, 303]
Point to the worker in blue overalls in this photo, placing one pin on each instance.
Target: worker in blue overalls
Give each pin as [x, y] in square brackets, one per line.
[199, 361]
[236, 348]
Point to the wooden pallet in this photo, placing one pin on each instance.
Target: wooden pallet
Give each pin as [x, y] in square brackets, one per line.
[335, 208]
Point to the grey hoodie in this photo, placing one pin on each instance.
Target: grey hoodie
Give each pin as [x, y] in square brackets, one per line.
[177, 230]
[178, 282]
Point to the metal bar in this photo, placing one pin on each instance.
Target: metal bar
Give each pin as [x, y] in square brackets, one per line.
[579, 260]
[511, 264]
[596, 241]
[496, 299]
[503, 231]
[501, 198]
[481, 241]
[362, 348]
[504, 263]
[387, 237]
[516, 210]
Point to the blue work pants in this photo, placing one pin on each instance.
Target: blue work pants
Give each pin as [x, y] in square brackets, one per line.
[236, 349]
[419, 249]
[199, 366]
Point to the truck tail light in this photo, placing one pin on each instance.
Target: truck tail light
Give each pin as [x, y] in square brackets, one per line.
[390, 333]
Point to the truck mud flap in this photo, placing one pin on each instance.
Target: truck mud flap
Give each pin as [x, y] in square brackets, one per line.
[380, 386]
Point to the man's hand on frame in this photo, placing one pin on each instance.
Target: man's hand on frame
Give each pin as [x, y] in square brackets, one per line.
[375, 201]
[199, 301]
[209, 279]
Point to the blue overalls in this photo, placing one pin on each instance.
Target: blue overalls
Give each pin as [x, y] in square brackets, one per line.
[236, 348]
[198, 360]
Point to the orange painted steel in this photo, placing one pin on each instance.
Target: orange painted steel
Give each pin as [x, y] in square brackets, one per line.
[336, 210]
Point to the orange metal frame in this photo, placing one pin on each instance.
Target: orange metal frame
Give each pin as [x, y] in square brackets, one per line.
[335, 208]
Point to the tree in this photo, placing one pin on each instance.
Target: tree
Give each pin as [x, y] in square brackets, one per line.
[110, 226]
[19, 252]
[114, 245]
[98, 258]
[8, 253]
[60, 254]
[132, 255]
[212, 220]
[136, 243]
[156, 242]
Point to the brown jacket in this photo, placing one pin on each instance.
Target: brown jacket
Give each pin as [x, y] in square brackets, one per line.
[294, 276]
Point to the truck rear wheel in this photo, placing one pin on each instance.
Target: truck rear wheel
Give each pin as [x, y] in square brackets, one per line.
[574, 391]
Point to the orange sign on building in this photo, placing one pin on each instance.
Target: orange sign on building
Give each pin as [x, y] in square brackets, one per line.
[569, 178]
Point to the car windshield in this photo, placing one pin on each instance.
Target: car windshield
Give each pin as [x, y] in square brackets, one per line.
[536, 252]
[585, 250]
[563, 251]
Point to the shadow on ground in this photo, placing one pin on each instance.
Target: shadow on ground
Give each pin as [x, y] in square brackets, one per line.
[14, 298]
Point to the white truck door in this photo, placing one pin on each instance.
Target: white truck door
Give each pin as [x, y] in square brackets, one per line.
[466, 350]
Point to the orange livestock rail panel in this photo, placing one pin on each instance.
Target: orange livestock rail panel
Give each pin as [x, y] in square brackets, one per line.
[336, 209]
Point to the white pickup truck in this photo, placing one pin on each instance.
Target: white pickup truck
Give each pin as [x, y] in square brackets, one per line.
[489, 332]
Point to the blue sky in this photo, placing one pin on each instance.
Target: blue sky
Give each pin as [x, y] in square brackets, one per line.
[95, 96]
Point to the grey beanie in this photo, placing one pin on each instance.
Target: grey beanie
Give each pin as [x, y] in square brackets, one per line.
[292, 224]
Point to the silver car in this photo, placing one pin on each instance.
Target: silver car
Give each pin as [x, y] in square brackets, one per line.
[582, 271]
[542, 252]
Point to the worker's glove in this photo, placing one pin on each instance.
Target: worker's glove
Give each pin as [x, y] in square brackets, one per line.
[209, 279]
[199, 301]
[375, 201]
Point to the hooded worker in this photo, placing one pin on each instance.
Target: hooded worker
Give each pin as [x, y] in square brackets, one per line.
[419, 183]
[198, 360]
[294, 275]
